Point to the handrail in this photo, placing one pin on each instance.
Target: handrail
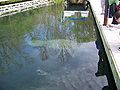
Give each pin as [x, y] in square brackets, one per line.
[23, 6]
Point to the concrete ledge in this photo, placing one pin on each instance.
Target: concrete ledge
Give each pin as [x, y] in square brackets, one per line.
[110, 41]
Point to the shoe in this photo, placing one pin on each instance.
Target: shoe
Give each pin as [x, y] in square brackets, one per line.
[97, 74]
[102, 13]
[119, 48]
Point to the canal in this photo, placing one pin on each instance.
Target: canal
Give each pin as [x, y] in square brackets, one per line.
[52, 49]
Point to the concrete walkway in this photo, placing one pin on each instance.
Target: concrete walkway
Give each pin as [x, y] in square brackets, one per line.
[111, 40]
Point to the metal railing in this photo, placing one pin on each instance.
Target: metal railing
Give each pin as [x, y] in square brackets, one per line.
[23, 6]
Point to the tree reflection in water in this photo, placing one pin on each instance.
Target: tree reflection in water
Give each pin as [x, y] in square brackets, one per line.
[14, 51]
[64, 55]
[43, 53]
[59, 48]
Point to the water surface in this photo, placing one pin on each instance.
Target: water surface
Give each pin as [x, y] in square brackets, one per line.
[43, 50]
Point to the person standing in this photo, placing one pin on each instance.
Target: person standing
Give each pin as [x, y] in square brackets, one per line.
[110, 9]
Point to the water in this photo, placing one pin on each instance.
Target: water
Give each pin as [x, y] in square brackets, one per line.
[42, 49]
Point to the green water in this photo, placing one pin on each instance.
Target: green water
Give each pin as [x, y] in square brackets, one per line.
[42, 50]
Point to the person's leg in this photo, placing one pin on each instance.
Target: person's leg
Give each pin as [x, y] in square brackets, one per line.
[112, 10]
[106, 13]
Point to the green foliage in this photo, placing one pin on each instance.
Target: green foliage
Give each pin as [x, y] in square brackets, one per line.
[58, 1]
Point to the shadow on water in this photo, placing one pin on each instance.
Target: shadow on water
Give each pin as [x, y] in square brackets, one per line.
[103, 66]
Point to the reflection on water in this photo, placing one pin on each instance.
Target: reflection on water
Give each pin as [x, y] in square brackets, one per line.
[39, 50]
[104, 67]
[101, 65]
[63, 47]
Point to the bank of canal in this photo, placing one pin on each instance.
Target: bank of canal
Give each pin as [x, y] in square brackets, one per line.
[42, 50]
